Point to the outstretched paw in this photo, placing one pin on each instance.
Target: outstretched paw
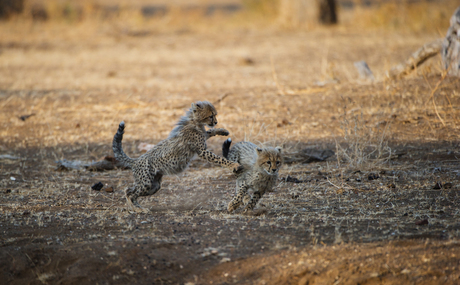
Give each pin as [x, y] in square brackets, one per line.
[246, 199]
[231, 208]
[222, 132]
[238, 170]
[248, 208]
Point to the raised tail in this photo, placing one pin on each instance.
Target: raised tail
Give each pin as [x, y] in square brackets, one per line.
[226, 148]
[120, 155]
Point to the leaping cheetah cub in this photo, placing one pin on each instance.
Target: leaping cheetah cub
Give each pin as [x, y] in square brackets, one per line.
[172, 155]
[261, 166]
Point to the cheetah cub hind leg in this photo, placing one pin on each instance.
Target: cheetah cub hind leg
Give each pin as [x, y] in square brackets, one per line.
[147, 190]
[233, 205]
[133, 204]
[252, 201]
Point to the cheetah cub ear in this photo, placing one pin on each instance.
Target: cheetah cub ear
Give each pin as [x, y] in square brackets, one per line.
[196, 106]
[279, 149]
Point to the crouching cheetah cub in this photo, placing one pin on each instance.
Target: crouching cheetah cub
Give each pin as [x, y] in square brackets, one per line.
[172, 155]
[261, 166]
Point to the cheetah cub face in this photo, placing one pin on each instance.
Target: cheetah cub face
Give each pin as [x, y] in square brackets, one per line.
[269, 159]
[204, 113]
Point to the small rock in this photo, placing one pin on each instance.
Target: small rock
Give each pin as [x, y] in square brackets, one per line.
[246, 61]
[25, 117]
[448, 185]
[405, 271]
[293, 179]
[8, 191]
[61, 167]
[12, 178]
[373, 176]
[284, 122]
[374, 274]
[421, 222]
[364, 71]
[225, 259]
[205, 254]
[9, 156]
[437, 186]
[295, 196]
[98, 186]
[109, 189]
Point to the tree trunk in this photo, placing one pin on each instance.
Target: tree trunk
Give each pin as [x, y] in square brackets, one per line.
[10, 7]
[305, 13]
[327, 12]
[451, 46]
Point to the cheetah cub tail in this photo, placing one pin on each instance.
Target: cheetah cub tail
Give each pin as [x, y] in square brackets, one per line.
[120, 155]
[226, 147]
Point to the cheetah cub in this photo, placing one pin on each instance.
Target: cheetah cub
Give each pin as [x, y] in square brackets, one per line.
[172, 155]
[261, 166]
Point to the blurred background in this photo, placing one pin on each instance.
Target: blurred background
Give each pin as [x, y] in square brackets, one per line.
[409, 15]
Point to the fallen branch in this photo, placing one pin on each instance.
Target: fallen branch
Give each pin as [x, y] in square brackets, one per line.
[417, 58]
[107, 163]
[307, 156]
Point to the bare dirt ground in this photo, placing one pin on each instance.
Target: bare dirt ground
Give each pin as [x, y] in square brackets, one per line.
[387, 218]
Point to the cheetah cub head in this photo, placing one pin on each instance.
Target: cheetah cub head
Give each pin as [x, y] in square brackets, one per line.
[269, 159]
[204, 113]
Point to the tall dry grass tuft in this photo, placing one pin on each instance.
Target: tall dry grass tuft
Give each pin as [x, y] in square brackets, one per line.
[364, 146]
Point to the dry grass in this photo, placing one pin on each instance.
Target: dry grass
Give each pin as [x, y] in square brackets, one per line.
[364, 146]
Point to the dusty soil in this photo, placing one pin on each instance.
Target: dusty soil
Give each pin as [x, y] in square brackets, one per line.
[390, 217]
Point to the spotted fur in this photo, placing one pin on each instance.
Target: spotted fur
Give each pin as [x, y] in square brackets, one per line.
[172, 155]
[261, 166]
